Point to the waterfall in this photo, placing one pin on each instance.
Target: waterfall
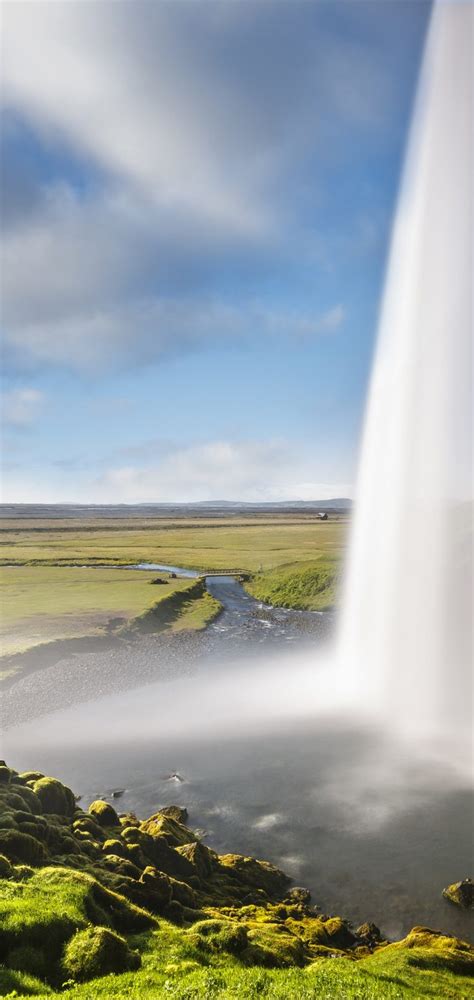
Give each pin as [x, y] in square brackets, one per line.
[405, 639]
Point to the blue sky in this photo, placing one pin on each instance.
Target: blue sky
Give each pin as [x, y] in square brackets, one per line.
[197, 201]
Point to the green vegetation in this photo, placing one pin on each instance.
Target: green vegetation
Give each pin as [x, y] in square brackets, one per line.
[247, 544]
[111, 906]
[59, 580]
[308, 586]
[43, 603]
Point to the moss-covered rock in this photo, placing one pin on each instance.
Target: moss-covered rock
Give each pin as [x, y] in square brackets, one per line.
[97, 951]
[461, 894]
[5, 775]
[428, 949]
[54, 796]
[201, 857]
[11, 800]
[21, 847]
[121, 866]
[31, 776]
[114, 846]
[104, 813]
[158, 883]
[183, 893]
[31, 800]
[220, 935]
[175, 834]
[255, 874]
[178, 813]
[273, 947]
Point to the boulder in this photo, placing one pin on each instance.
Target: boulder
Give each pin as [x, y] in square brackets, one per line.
[98, 951]
[461, 894]
[104, 813]
[54, 796]
[204, 860]
[158, 883]
[259, 875]
[175, 834]
[178, 813]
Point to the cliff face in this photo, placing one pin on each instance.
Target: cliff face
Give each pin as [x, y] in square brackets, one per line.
[89, 894]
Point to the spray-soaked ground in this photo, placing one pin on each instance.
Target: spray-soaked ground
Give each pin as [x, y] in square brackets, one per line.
[373, 830]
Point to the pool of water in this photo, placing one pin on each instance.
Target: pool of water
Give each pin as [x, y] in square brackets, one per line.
[373, 830]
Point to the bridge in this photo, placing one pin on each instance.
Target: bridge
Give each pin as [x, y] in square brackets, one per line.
[239, 573]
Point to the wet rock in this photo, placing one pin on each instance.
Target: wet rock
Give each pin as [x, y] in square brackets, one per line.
[178, 813]
[299, 895]
[461, 893]
[369, 934]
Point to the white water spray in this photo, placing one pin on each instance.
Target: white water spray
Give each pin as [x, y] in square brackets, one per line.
[405, 635]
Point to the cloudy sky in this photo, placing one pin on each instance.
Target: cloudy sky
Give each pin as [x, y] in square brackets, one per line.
[196, 201]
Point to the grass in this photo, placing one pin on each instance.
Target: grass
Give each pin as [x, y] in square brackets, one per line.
[308, 586]
[44, 603]
[59, 579]
[173, 968]
[219, 544]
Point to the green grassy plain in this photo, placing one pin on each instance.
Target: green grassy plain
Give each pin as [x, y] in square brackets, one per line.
[248, 544]
[60, 579]
[45, 603]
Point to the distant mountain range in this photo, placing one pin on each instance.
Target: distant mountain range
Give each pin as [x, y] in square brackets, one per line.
[199, 508]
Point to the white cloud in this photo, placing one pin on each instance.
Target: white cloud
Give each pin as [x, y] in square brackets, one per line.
[197, 156]
[22, 407]
[215, 470]
[219, 470]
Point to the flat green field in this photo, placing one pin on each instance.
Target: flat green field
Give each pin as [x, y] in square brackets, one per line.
[43, 603]
[250, 545]
[60, 579]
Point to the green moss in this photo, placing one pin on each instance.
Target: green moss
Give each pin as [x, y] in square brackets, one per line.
[255, 874]
[271, 946]
[174, 833]
[6, 870]
[31, 776]
[54, 796]
[114, 846]
[25, 958]
[98, 951]
[30, 799]
[204, 860]
[220, 935]
[21, 847]
[228, 926]
[104, 813]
